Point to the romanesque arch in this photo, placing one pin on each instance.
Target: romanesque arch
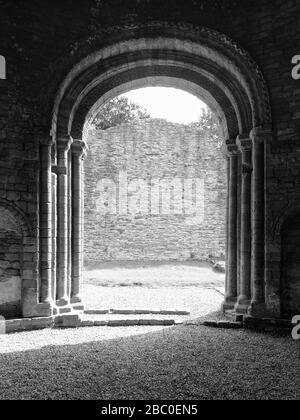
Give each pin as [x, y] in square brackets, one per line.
[203, 62]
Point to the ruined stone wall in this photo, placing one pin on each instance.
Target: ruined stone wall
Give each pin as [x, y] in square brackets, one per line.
[164, 225]
[11, 243]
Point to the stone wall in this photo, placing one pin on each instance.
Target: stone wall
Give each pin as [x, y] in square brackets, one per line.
[291, 267]
[165, 227]
[10, 265]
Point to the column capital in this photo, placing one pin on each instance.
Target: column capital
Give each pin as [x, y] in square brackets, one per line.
[46, 140]
[244, 143]
[59, 170]
[231, 148]
[79, 148]
[64, 144]
[260, 135]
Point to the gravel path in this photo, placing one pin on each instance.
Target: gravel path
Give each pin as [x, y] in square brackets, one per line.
[192, 362]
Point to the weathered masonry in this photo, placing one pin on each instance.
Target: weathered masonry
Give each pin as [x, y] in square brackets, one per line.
[173, 204]
[63, 64]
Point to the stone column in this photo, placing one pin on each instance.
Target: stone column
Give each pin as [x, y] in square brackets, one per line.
[78, 153]
[231, 284]
[46, 300]
[63, 146]
[54, 231]
[245, 146]
[259, 138]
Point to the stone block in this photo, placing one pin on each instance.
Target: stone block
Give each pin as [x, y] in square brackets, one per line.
[71, 321]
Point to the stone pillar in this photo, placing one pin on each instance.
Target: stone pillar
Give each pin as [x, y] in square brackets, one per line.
[259, 138]
[231, 283]
[63, 146]
[78, 153]
[54, 231]
[45, 295]
[245, 146]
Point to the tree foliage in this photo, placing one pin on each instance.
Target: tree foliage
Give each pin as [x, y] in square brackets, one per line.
[118, 111]
[208, 124]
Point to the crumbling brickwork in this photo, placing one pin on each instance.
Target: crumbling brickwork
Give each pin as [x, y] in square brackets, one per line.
[155, 151]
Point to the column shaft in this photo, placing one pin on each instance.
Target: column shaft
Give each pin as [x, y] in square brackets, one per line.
[257, 307]
[62, 222]
[46, 224]
[231, 286]
[54, 233]
[245, 146]
[78, 152]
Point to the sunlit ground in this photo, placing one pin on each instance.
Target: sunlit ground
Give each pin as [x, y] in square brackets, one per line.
[182, 362]
[192, 286]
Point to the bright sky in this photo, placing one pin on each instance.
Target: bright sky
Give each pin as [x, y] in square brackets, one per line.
[171, 104]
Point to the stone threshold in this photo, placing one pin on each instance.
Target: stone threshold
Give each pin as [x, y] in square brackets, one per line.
[75, 320]
[175, 312]
[251, 323]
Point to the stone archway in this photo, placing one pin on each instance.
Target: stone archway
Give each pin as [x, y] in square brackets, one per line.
[202, 62]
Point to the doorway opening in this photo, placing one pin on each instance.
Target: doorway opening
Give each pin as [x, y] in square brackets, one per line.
[155, 205]
[196, 60]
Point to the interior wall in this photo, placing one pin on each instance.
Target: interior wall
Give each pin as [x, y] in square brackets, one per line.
[291, 268]
[10, 265]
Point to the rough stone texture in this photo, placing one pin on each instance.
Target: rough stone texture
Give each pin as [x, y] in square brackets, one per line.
[152, 151]
[291, 268]
[10, 265]
[46, 39]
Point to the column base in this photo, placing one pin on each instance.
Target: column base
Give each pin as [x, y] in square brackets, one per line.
[229, 304]
[43, 310]
[242, 305]
[62, 302]
[77, 304]
[257, 309]
[63, 306]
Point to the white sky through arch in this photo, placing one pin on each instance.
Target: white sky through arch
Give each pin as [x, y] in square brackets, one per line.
[168, 103]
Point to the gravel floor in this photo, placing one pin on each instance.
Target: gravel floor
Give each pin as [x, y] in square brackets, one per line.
[191, 362]
[193, 286]
[198, 301]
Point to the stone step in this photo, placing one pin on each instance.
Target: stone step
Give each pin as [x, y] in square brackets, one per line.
[223, 324]
[176, 312]
[76, 321]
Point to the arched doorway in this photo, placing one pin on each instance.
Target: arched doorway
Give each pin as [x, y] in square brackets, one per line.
[210, 66]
